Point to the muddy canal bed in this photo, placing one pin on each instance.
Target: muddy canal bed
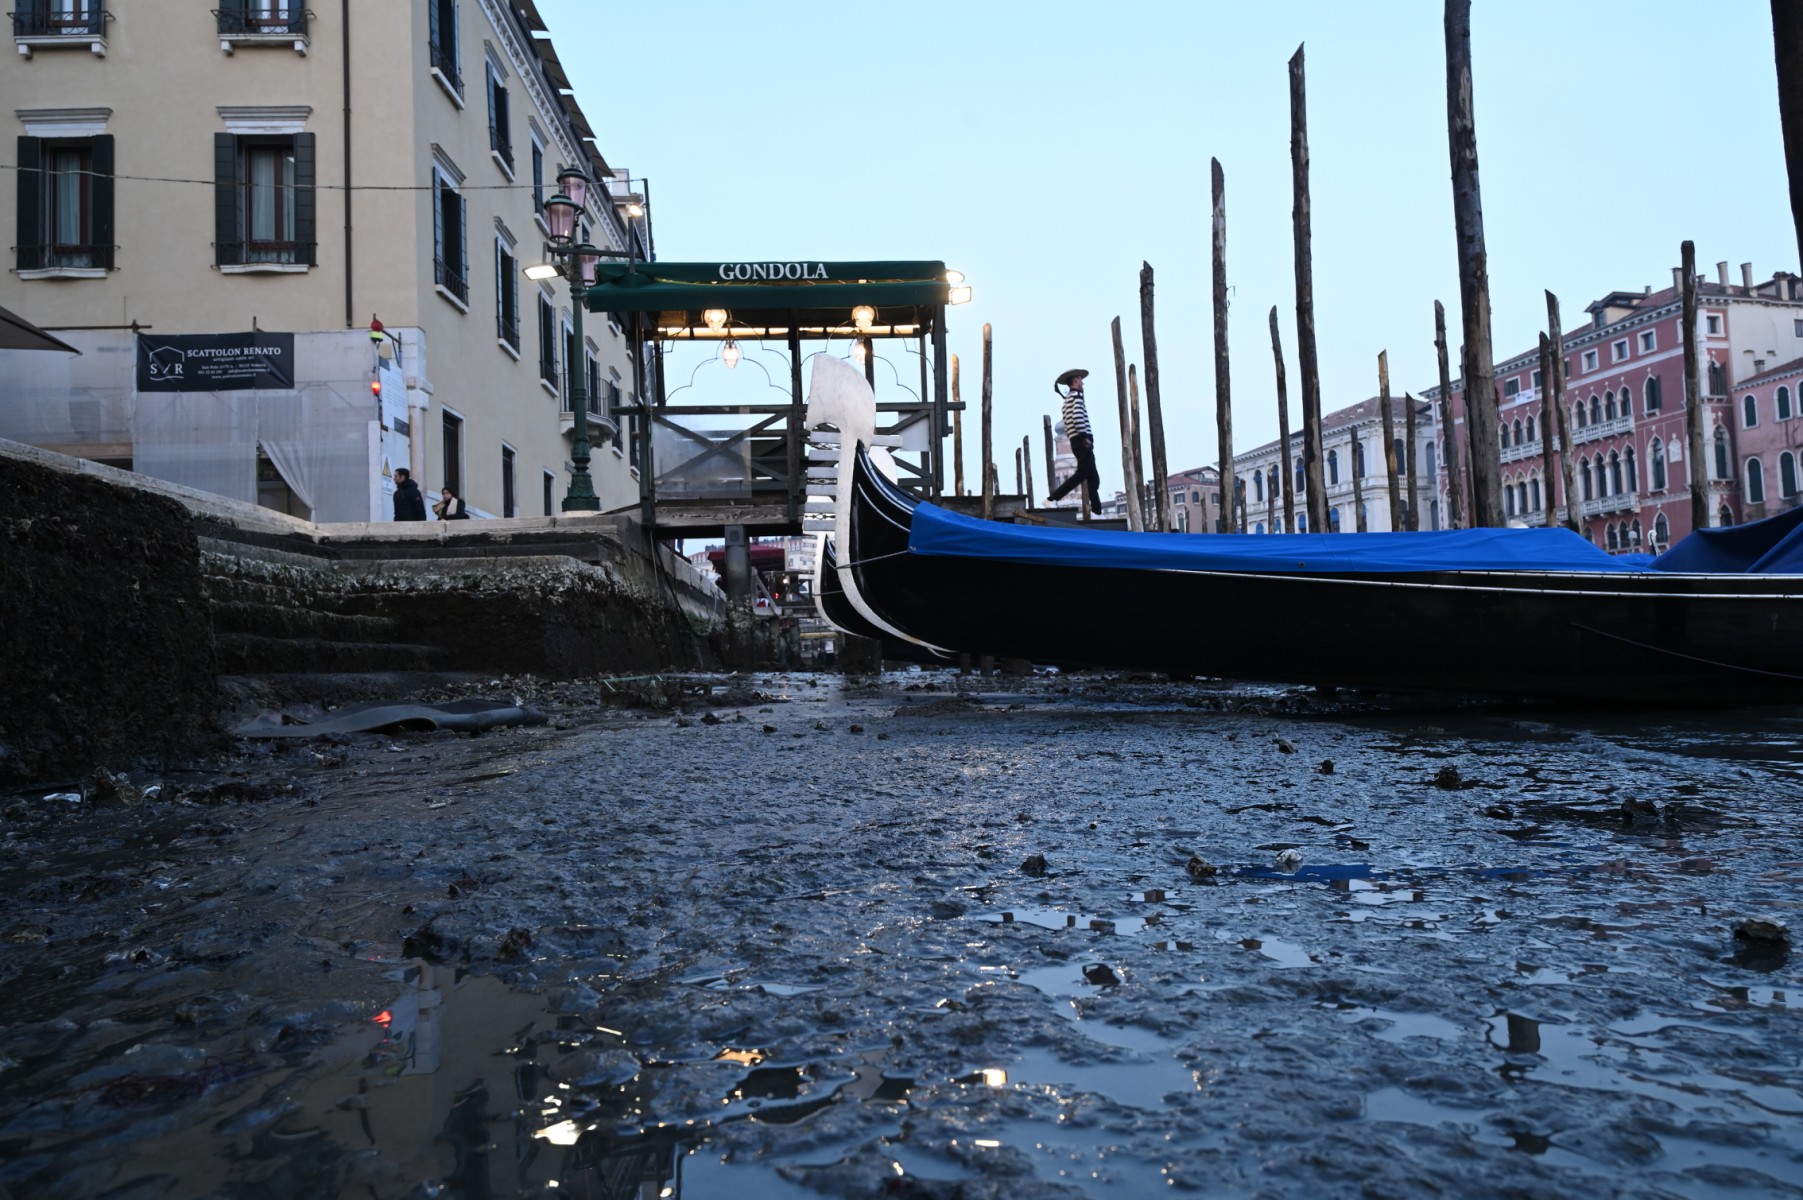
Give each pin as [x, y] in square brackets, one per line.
[931, 938]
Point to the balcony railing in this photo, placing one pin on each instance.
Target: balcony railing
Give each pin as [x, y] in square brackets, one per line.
[283, 21]
[1620, 502]
[446, 64]
[451, 280]
[75, 20]
[50, 258]
[507, 330]
[1602, 429]
[498, 142]
[547, 371]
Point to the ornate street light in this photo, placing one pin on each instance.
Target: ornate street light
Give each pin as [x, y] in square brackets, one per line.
[579, 264]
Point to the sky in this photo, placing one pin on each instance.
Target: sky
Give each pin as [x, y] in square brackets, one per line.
[1047, 148]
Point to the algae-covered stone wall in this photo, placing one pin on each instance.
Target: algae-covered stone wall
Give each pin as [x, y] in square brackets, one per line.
[106, 649]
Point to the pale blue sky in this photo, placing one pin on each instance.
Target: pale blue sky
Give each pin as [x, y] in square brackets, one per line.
[1045, 149]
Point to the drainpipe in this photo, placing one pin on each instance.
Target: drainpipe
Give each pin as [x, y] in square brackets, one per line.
[344, 21]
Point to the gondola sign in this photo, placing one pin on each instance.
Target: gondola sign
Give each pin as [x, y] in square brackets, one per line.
[215, 362]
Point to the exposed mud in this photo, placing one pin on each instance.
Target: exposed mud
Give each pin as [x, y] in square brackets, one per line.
[1078, 938]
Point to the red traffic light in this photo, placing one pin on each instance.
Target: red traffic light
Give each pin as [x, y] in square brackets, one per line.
[375, 387]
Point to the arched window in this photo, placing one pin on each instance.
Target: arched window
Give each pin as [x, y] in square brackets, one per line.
[1301, 522]
[1609, 406]
[1787, 475]
[1613, 543]
[1721, 453]
[1509, 500]
[1433, 514]
[1634, 534]
[1602, 475]
[1718, 379]
[1333, 467]
[1333, 519]
[1755, 481]
[1182, 520]
[1627, 459]
[1724, 517]
[1749, 411]
[1258, 487]
[1627, 401]
[1781, 403]
[1662, 532]
[1578, 410]
[1534, 494]
[1652, 394]
[1584, 479]
[1365, 515]
[1615, 481]
[1359, 465]
[1656, 454]
[1301, 476]
[1402, 455]
[1596, 411]
[1517, 429]
[1502, 436]
[1531, 435]
[1259, 528]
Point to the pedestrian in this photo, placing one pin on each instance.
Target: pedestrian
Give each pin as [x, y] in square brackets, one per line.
[409, 503]
[450, 506]
[1069, 387]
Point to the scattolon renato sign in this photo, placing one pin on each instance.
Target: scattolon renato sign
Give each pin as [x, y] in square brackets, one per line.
[215, 362]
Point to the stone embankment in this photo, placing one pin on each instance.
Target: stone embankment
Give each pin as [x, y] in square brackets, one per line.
[125, 601]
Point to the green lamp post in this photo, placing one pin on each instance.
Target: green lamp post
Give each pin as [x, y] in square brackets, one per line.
[577, 263]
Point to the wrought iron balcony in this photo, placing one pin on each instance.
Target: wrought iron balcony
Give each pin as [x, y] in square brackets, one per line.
[253, 18]
[78, 20]
[451, 280]
[507, 330]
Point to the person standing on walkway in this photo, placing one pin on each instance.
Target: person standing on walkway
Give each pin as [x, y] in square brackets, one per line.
[409, 503]
[1069, 387]
[450, 506]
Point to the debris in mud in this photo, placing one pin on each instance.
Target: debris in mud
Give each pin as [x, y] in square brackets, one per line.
[1284, 745]
[1289, 861]
[107, 790]
[1762, 932]
[769, 728]
[1102, 975]
[1640, 812]
[1034, 865]
[1326, 767]
[517, 942]
[1200, 868]
[710, 719]
[1500, 812]
[1448, 778]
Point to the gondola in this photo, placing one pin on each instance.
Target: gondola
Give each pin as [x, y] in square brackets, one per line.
[1524, 613]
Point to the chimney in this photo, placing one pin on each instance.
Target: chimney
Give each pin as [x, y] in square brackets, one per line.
[1678, 278]
[1721, 274]
[1646, 289]
[1746, 276]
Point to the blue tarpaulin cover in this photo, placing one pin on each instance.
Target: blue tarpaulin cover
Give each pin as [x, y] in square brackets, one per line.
[938, 531]
[1773, 546]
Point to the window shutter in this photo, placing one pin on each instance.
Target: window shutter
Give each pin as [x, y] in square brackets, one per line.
[31, 194]
[228, 244]
[306, 222]
[438, 222]
[432, 20]
[463, 245]
[100, 196]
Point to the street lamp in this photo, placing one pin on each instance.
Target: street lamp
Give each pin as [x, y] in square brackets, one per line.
[577, 263]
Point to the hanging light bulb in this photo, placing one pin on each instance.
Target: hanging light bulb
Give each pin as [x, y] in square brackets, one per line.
[860, 351]
[715, 318]
[954, 277]
[729, 354]
[863, 316]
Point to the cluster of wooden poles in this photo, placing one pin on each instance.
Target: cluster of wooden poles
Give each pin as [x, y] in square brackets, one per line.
[1148, 501]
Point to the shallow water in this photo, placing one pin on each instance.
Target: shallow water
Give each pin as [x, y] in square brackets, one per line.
[771, 956]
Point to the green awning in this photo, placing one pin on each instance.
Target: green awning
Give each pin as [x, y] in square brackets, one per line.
[771, 286]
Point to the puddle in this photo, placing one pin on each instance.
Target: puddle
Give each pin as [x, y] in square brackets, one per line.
[1052, 918]
[1285, 954]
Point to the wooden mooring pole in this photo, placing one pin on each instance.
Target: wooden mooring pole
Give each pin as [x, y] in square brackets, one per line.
[1449, 440]
[1474, 272]
[1223, 370]
[957, 433]
[1051, 459]
[1693, 396]
[1147, 513]
[1411, 494]
[1560, 412]
[1787, 39]
[1135, 518]
[1148, 335]
[1389, 428]
[1020, 488]
[1026, 466]
[1314, 479]
[1283, 432]
[1356, 453]
[988, 459]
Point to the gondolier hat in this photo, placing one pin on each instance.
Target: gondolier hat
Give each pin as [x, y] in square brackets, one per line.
[1072, 378]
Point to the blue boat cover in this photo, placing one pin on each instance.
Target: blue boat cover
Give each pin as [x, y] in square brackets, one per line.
[938, 531]
[1773, 546]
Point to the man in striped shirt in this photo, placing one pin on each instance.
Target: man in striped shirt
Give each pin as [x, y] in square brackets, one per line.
[1069, 386]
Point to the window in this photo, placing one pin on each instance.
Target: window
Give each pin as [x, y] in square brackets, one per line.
[1613, 543]
[538, 177]
[1749, 411]
[593, 396]
[1596, 411]
[500, 137]
[1258, 487]
[547, 343]
[1721, 452]
[1536, 381]
[1511, 387]
[283, 20]
[1712, 324]
[1627, 462]
[1333, 467]
[1400, 449]
[1656, 455]
[441, 16]
[1652, 394]
[1618, 351]
[507, 297]
[1532, 436]
[1358, 459]
[1615, 478]
[509, 504]
[1301, 476]
[1718, 379]
[65, 194]
[1787, 475]
[1797, 327]
[1755, 481]
[1627, 402]
[1516, 427]
[1585, 479]
[1511, 508]
[263, 200]
[1608, 406]
[549, 483]
[1589, 361]
[572, 362]
[1649, 341]
[1724, 517]
[1579, 411]
[453, 453]
[1662, 531]
[450, 242]
[1534, 494]
[1333, 520]
[1781, 403]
